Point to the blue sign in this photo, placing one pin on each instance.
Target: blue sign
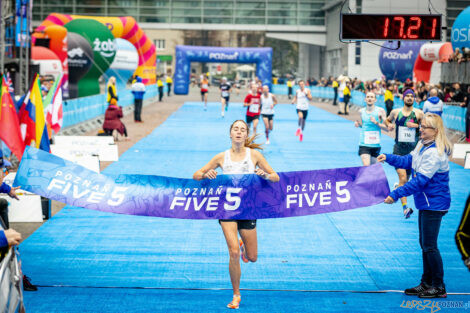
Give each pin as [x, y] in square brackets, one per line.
[187, 54]
[23, 20]
[461, 30]
[398, 64]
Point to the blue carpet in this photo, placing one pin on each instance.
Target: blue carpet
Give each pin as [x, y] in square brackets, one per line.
[366, 249]
[92, 300]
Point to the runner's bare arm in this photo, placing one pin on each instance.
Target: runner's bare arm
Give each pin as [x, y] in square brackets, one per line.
[264, 169]
[309, 94]
[274, 100]
[382, 118]
[208, 170]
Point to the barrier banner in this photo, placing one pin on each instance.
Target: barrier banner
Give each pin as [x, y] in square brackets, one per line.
[227, 197]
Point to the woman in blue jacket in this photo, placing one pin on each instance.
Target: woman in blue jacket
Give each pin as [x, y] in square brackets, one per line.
[429, 163]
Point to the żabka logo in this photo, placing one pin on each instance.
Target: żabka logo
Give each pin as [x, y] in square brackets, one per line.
[223, 56]
[106, 48]
[393, 55]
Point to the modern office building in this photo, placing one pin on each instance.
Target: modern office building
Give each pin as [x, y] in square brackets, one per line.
[313, 25]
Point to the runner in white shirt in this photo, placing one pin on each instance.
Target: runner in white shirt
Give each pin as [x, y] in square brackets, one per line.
[301, 98]
[225, 89]
[241, 158]
[268, 101]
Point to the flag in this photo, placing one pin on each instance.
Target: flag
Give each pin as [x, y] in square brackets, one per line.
[32, 120]
[53, 105]
[9, 124]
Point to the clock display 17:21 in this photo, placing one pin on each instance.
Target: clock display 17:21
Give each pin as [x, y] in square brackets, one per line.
[391, 27]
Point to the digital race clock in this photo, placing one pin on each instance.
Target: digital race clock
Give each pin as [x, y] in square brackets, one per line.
[391, 27]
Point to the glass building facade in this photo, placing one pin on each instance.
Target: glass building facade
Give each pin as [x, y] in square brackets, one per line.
[249, 12]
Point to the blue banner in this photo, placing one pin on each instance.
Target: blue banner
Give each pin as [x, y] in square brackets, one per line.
[226, 197]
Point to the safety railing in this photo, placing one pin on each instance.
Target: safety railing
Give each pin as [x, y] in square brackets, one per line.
[11, 284]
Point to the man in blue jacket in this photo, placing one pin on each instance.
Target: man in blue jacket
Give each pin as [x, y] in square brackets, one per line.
[434, 104]
[138, 89]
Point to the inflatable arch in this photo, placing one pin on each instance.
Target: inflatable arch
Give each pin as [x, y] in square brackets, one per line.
[121, 27]
[262, 57]
[429, 53]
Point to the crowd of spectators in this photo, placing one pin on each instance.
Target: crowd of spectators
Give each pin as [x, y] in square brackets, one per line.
[460, 55]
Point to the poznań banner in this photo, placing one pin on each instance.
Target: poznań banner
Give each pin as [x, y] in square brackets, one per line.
[227, 197]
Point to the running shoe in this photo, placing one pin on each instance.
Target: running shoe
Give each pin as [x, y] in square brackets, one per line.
[243, 252]
[301, 137]
[267, 141]
[223, 114]
[297, 133]
[235, 304]
[407, 213]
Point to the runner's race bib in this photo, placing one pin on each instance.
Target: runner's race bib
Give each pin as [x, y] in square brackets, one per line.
[254, 108]
[224, 93]
[371, 137]
[406, 134]
[204, 86]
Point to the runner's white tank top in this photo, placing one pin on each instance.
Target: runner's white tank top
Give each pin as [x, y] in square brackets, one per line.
[245, 166]
[302, 100]
[266, 104]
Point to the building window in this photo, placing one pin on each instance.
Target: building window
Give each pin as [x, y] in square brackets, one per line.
[159, 44]
[358, 53]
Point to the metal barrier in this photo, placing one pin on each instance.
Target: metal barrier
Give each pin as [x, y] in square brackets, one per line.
[455, 72]
[83, 109]
[11, 284]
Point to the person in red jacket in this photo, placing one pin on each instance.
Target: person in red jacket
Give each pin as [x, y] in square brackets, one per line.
[112, 120]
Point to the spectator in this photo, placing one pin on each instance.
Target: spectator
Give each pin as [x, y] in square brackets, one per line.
[138, 89]
[160, 88]
[290, 85]
[433, 104]
[111, 90]
[169, 82]
[346, 97]
[467, 115]
[448, 94]
[459, 95]
[335, 90]
[388, 97]
[112, 120]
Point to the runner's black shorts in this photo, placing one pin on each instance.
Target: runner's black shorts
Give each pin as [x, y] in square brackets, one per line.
[242, 224]
[372, 151]
[203, 92]
[404, 149]
[250, 119]
[268, 116]
[304, 113]
[227, 99]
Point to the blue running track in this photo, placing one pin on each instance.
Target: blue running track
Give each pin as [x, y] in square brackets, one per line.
[89, 261]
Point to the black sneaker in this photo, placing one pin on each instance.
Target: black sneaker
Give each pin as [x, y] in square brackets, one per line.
[27, 286]
[417, 290]
[433, 292]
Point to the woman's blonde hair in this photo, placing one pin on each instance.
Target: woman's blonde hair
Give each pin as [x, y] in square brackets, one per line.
[442, 142]
[250, 141]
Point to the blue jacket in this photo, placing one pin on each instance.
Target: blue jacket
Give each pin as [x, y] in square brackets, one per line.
[433, 105]
[138, 89]
[4, 188]
[430, 177]
[3, 239]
